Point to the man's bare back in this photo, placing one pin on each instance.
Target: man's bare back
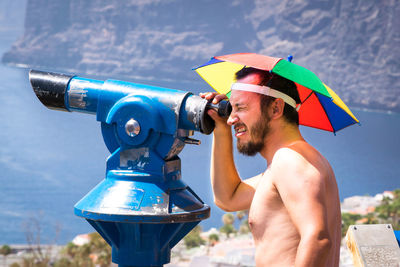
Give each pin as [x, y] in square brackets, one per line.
[275, 234]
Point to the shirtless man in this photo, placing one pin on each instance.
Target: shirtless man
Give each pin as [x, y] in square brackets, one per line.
[294, 205]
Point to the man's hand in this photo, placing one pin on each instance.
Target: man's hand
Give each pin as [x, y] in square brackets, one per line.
[220, 123]
[216, 98]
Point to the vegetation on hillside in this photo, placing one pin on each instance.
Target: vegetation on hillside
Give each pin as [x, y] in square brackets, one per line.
[387, 212]
[94, 253]
[5, 250]
[194, 238]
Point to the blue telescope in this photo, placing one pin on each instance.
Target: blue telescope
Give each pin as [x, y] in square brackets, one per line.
[142, 208]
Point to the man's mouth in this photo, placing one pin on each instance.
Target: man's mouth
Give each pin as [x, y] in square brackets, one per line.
[240, 130]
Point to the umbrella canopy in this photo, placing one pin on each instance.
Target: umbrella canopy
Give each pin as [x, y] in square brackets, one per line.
[321, 107]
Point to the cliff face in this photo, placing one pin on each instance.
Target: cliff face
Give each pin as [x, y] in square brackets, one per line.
[354, 46]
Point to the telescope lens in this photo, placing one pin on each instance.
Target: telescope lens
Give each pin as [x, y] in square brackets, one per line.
[50, 88]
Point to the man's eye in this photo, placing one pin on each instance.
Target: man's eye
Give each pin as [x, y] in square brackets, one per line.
[237, 108]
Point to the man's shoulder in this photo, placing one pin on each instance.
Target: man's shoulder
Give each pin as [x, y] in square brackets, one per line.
[292, 154]
[300, 151]
[288, 158]
[299, 159]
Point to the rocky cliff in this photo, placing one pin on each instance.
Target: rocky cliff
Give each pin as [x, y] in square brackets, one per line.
[354, 46]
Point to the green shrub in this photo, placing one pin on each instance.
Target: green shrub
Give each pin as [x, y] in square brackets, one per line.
[193, 239]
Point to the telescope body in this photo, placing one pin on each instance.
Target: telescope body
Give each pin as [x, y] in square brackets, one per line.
[142, 208]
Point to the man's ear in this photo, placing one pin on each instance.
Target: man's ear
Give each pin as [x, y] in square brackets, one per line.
[277, 108]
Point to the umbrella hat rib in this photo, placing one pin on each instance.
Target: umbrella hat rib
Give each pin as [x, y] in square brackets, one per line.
[339, 103]
[300, 75]
[338, 117]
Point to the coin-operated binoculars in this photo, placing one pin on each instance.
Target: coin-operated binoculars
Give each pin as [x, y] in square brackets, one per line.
[142, 208]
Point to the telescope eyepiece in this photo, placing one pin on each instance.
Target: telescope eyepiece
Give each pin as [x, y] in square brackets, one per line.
[223, 108]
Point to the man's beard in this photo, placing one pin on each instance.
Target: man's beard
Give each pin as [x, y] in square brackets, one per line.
[258, 132]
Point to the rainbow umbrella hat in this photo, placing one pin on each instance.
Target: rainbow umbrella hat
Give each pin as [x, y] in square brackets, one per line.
[321, 107]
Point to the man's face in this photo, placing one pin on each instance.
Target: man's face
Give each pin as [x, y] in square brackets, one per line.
[250, 125]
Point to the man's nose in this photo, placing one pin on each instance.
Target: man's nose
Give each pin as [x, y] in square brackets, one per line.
[232, 119]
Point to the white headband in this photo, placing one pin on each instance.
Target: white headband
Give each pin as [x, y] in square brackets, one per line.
[265, 90]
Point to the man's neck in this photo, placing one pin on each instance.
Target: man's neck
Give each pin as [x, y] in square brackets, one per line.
[280, 137]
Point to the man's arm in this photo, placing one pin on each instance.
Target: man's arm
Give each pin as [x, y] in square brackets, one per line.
[230, 192]
[302, 189]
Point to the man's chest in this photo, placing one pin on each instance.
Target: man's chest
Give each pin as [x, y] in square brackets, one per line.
[266, 205]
